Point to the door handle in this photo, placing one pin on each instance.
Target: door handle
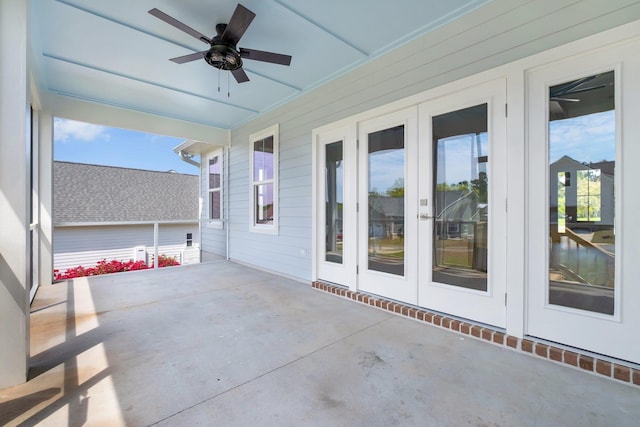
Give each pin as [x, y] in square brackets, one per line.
[425, 216]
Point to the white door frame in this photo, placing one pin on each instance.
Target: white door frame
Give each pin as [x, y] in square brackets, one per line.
[487, 307]
[614, 335]
[401, 288]
[345, 273]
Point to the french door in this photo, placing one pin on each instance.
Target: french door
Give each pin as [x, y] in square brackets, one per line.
[387, 206]
[415, 210]
[336, 230]
[462, 197]
[583, 202]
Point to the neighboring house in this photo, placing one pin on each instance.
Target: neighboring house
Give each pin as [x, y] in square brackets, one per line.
[386, 216]
[569, 174]
[104, 212]
[461, 210]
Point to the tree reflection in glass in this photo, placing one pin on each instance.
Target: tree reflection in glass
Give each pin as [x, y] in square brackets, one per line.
[334, 178]
[386, 201]
[461, 198]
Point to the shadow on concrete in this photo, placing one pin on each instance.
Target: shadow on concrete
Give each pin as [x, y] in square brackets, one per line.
[74, 397]
[75, 394]
[11, 409]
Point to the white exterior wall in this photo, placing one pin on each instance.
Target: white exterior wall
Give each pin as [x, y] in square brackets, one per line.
[448, 54]
[86, 245]
[213, 233]
[288, 252]
[14, 192]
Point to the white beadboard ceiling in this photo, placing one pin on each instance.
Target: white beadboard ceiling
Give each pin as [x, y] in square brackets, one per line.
[115, 53]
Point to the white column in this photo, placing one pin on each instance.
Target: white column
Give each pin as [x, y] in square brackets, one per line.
[34, 238]
[516, 213]
[155, 245]
[45, 188]
[14, 192]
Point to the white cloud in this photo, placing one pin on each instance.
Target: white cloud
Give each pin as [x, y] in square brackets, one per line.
[64, 130]
[588, 138]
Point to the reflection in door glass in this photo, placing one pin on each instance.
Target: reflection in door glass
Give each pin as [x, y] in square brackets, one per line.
[386, 200]
[333, 175]
[582, 152]
[461, 195]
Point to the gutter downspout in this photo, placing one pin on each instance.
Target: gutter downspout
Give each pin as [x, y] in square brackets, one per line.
[185, 157]
[226, 181]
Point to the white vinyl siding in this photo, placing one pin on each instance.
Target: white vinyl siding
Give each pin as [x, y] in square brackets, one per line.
[452, 52]
[290, 251]
[213, 238]
[86, 245]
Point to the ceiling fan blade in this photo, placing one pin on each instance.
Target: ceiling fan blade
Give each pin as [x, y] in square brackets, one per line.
[189, 58]
[240, 75]
[260, 55]
[569, 87]
[556, 98]
[179, 25]
[587, 89]
[238, 24]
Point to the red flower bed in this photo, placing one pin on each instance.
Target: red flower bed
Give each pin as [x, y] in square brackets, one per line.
[113, 266]
[166, 261]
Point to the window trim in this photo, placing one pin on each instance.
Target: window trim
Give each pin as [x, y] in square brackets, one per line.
[272, 131]
[215, 223]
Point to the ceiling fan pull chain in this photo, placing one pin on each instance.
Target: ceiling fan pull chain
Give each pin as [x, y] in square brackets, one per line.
[228, 85]
[218, 80]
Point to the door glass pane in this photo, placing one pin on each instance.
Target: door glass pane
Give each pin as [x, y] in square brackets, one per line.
[461, 195]
[386, 200]
[264, 203]
[263, 159]
[215, 173]
[334, 175]
[582, 152]
[214, 205]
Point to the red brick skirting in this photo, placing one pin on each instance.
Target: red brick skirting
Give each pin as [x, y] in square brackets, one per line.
[610, 368]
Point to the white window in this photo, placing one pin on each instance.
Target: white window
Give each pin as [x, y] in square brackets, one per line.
[588, 199]
[264, 180]
[214, 174]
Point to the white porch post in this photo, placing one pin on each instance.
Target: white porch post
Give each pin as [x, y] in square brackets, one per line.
[14, 192]
[155, 245]
[45, 189]
[516, 203]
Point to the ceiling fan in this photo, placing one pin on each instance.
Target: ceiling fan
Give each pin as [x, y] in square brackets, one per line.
[560, 92]
[223, 53]
[597, 92]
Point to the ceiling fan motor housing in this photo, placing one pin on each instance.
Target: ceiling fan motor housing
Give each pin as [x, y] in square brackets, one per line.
[223, 57]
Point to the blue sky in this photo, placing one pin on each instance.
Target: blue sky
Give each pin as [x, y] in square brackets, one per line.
[95, 144]
[589, 138]
[102, 145]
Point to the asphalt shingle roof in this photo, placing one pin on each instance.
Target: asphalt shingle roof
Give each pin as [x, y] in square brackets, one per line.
[91, 193]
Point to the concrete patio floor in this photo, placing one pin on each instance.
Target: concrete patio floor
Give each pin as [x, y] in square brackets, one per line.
[219, 344]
